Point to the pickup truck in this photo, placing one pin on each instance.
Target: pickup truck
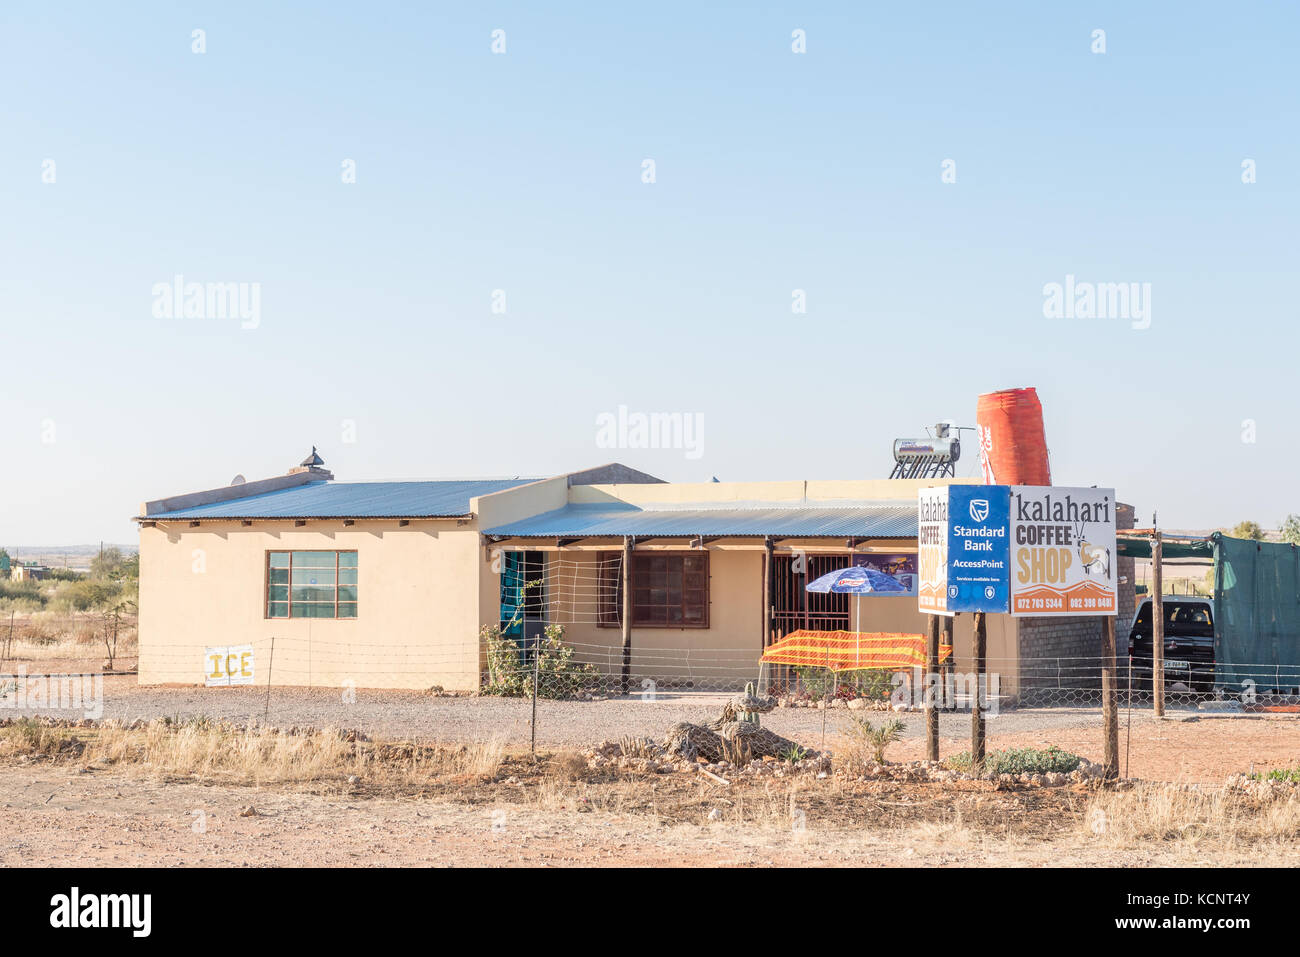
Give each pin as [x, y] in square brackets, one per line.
[1189, 643]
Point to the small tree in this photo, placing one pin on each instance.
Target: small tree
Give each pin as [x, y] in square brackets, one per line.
[112, 622]
[1249, 530]
[104, 566]
[874, 738]
[1291, 530]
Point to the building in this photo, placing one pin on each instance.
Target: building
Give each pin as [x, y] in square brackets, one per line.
[388, 584]
[28, 571]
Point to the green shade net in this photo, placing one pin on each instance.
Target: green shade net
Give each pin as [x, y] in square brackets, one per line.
[512, 594]
[1171, 550]
[1257, 614]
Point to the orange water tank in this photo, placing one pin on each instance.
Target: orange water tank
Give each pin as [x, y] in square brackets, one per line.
[1013, 443]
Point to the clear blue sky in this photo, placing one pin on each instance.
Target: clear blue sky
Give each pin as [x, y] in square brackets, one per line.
[522, 172]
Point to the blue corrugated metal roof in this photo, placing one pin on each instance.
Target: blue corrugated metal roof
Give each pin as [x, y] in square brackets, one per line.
[858, 519]
[354, 500]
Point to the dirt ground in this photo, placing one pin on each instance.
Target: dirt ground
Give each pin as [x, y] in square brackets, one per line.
[61, 814]
[1183, 749]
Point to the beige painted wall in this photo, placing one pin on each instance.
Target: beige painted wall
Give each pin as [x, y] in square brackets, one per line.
[668, 495]
[418, 607]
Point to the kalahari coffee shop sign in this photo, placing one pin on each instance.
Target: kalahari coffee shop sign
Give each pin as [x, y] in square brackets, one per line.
[1027, 550]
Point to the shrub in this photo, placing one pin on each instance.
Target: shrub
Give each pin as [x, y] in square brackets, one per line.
[510, 669]
[874, 684]
[23, 596]
[1278, 774]
[63, 575]
[871, 738]
[1021, 761]
[84, 595]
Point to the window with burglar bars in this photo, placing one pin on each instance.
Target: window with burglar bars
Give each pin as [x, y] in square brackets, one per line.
[668, 590]
[311, 584]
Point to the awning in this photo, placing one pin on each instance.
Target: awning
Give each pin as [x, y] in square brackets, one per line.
[851, 650]
[829, 519]
[1138, 545]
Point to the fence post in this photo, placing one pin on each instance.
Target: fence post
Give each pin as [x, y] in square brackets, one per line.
[1109, 700]
[1157, 624]
[827, 695]
[627, 613]
[976, 711]
[537, 659]
[931, 671]
[269, 665]
[949, 623]
[1128, 730]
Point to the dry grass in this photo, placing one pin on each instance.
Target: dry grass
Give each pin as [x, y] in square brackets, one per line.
[33, 739]
[209, 751]
[1219, 824]
[84, 646]
[1196, 819]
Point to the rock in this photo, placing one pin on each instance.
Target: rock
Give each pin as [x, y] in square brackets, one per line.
[857, 704]
[248, 811]
[353, 780]
[715, 815]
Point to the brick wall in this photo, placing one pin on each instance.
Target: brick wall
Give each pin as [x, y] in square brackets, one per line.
[1061, 654]
[1124, 518]
[1058, 656]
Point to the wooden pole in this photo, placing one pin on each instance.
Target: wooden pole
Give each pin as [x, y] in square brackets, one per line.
[931, 675]
[949, 626]
[266, 713]
[627, 613]
[767, 593]
[767, 610]
[976, 708]
[537, 664]
[1157, 624]
[1109, 700]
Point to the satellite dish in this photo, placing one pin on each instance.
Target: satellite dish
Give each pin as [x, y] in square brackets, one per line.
[238, 480]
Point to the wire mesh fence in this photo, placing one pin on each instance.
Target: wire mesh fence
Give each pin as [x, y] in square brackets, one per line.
[71, 635]
[549, 691]
[584, 670]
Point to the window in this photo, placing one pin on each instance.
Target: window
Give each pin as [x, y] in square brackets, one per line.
[311, 584]
[668, 590]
